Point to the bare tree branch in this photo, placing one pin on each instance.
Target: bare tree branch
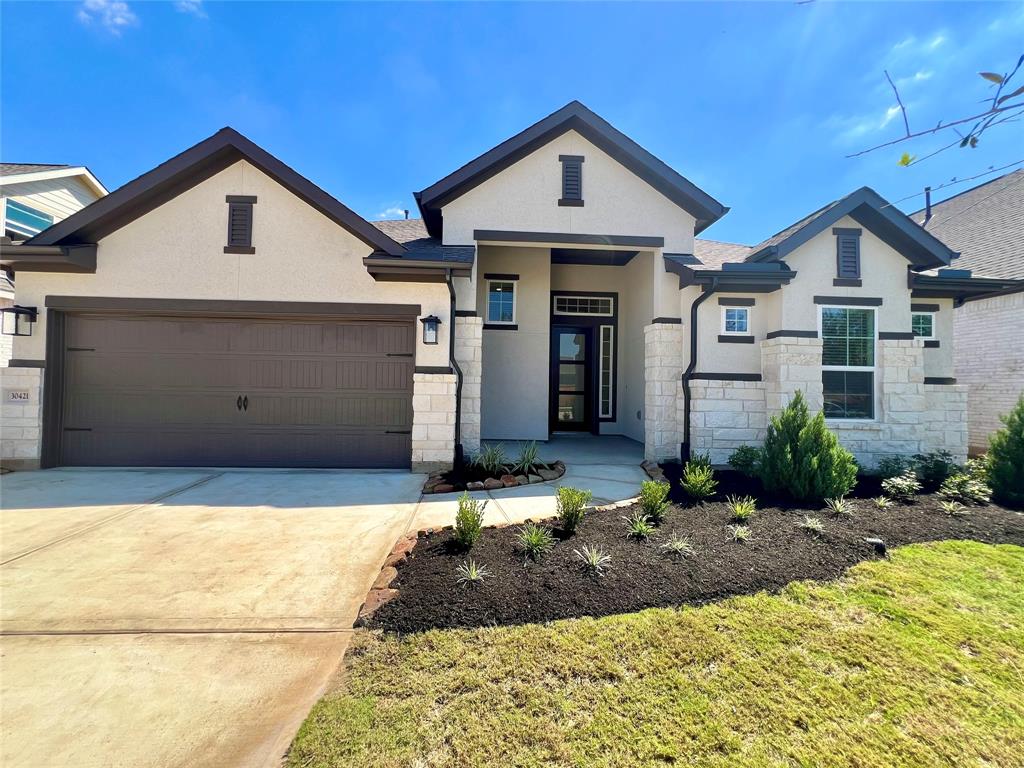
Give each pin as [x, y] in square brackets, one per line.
[906, 122]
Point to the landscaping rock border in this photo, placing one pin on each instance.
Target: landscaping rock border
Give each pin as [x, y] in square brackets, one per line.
[443, 482]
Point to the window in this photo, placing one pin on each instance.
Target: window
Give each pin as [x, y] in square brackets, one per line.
[584, 305]
[847, 253]
[501, 302]
[848, 362]
[240, 224]
[735, 320]
[572, 180]
[607, 355]
[923, 325]
[24, 220]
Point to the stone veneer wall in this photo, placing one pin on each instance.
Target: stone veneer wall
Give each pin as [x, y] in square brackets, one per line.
[725, 415]
[663, 369]
[21, 420]
[469, 336]
[433, 421]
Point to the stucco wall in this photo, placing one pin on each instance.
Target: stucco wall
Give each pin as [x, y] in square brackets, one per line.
[938, 361]
[177, 251]
[721, 356]
[525, 197]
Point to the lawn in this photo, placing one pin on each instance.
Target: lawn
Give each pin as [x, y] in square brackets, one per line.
[915, 661]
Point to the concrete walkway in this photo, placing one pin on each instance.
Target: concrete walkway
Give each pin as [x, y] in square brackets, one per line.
[608, 466]
[180, 617]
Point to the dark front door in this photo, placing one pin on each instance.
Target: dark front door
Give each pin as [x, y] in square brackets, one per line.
[572, 391]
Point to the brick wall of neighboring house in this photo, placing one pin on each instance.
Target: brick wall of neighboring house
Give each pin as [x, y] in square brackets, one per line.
[433, 425]
[20, 417]
[989, 359]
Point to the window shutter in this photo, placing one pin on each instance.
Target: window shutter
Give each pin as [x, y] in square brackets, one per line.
[240, 224]
[572, 180]
[848, 255]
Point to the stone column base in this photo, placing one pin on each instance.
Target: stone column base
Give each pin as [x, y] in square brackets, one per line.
[663, 369]
[433, 422]
[469, 355]
[21, 415]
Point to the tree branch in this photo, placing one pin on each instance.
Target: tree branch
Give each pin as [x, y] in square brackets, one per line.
[903, 109]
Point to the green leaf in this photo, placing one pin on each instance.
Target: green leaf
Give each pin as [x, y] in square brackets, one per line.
[906, 159]
[992, 77]
[1018, 92]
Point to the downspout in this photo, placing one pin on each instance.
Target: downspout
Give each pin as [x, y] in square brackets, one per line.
[688, 373]
[456, 368]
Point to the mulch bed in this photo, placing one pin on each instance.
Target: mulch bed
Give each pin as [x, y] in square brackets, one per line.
[641, 575]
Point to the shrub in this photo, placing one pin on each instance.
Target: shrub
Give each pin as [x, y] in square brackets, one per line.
[739, 533]
[953, 508]
[1006, 458]
[701, 460]
[678, 545]
[882, 502]
[933, 468]
[594, 559]
[812, 525]
[741, 507]
[698, 480]
[571, 504]
[638, 526]
[491, 459]
[527, 462]
[902, 487]
[802, 457]
[892, 466]
[840, 506]
[654, 500]
[472, 574]
[963, 487]
[469, 521]
[746, 460]
[535, 540]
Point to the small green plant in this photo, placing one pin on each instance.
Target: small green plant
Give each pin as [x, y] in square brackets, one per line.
[953, 508]
[812, 525]
[698, 480]
[491, 459]
[892, 466]
[1005, 459]
[701, 460]
[638, 526]
[882, 502]
[963, 487]
[472, 574]
[654, 500]
[594, 559]
[839, 507]
[469, 521]
[535, 540]
[902, 487]
[739, 533]
[933, 468]
[741, 508]
[571, 504]
[526, 463]
[678, 546]
[746, 460]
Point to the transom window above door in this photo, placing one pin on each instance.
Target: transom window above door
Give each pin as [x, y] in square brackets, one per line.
[501, 301]
[584, 305]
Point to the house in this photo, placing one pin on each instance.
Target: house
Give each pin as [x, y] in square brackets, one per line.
[222, 309]
[32, 197]
[986, 224]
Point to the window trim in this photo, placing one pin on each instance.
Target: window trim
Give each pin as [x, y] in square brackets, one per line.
[22, 229]
[724, 313]
[873, 369]
[931, 336]
[610, 413]
[515, 302]
[556, 296]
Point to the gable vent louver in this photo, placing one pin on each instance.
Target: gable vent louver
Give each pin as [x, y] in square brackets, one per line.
[848, 253]
[572, 180]
[240, 224]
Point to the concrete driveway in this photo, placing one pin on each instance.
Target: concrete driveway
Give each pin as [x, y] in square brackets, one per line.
[180, 617]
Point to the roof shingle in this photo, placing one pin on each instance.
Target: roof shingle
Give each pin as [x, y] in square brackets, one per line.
[16, 169]
[412, 235]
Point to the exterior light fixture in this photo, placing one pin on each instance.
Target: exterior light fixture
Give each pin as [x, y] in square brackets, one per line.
[17, 321]
[430, 328]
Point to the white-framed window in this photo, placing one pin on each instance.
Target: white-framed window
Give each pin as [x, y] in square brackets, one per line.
[736, 320]
[606, 353]
[584, 305]
[923, 324]
[501, 302]
[848, 354]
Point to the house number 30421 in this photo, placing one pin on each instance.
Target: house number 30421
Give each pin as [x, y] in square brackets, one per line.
[19, 396]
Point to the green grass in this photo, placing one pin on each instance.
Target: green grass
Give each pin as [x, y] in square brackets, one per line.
[918, 661]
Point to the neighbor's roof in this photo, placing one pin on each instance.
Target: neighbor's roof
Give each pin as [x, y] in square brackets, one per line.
[413, 236]
[986, 224]
[16, 169]
[18, 173]
[597, 130]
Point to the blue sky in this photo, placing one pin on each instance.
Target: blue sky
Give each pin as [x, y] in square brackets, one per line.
[756, 103]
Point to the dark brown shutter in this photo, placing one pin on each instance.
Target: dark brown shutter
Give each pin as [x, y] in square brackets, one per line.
[847, 255]
[240, 224]
[572, 180]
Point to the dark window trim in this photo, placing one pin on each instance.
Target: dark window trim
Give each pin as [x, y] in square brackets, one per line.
[432, 369]
[848, 301]
[896, 335]
[499, 276]
[20, 363]
[667, 320]
[245, 199]
[571, 158]
[939, 380]
[931, 343]
[466, 313]
[733, 339]
[726, 301]
[849, 231]
[516, 236]
[570, 202]
[239, 249]
[501, 326]
[925, 307]
[847, 282]
[220, 307]
[726, 376]
[791, 334]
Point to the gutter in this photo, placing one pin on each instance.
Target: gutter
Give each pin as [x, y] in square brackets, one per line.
[456, 368]
[688, 373]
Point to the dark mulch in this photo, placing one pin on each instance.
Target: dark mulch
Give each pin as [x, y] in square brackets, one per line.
[642, 576]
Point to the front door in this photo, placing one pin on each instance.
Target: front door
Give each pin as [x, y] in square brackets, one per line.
[572, 379]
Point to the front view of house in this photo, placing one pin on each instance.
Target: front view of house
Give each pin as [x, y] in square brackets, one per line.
[222, 310]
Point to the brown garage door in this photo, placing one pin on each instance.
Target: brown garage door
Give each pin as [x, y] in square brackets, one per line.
[170, 391]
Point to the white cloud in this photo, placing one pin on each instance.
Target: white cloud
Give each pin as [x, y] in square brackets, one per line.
[114, 15]
[889, 116]
[393, 212]
[936, 42]
[195, 7]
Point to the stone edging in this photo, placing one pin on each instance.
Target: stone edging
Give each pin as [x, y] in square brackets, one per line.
[435, 483]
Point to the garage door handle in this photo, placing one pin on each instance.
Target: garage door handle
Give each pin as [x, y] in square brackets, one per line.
[397, 431]
[245, 403]
[238, 402]
[399, 354]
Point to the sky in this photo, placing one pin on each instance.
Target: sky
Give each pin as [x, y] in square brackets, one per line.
[756, 103]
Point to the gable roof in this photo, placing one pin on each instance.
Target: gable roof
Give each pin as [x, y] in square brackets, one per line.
[573, 116]
[184, 171]
[866, 206]
[23, 173]
[986, 224]
[413, 235]
[15, 169]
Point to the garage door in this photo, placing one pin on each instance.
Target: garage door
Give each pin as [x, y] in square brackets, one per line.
[185, 391]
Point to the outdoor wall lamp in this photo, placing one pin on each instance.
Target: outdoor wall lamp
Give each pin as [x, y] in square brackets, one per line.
[430, 327]
[17, 321]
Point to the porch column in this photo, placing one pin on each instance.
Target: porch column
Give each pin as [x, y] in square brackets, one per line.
[469, 335]
[663, 369]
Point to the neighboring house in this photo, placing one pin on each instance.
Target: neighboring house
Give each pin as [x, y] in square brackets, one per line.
[221, 309]
[986, 224]
[33, 197]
